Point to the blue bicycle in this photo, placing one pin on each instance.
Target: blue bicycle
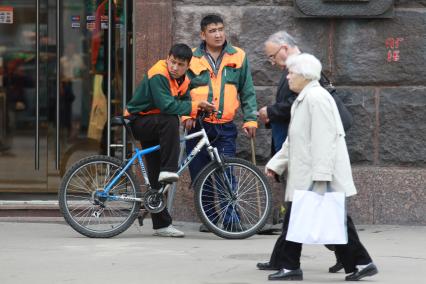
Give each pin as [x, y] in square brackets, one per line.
[100, 197]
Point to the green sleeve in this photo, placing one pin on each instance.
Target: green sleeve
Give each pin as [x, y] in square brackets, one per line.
[140, 101]
[247, 93]
[164, 100]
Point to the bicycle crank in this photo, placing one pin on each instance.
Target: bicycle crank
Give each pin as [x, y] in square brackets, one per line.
[154, 201]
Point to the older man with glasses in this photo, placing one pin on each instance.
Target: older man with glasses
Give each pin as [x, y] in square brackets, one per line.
[278, 47]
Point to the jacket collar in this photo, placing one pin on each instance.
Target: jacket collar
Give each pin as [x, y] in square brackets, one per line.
[201, 49]
[303, 93]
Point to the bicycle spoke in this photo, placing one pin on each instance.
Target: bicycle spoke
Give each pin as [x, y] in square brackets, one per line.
[234, 199]
[248, 213]
[97, 214]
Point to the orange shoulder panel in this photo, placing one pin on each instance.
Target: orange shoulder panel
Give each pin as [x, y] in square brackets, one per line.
[234, 60]
[198, 65]
[159, 68]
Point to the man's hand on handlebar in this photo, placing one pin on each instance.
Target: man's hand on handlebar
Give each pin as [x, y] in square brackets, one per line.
[206, 106]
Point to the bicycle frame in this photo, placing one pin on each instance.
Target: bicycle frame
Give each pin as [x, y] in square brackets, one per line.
[204, 141]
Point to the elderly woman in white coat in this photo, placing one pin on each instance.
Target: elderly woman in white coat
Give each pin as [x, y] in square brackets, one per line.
[314, 153]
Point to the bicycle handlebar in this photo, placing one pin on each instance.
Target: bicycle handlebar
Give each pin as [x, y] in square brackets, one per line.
[201, 115]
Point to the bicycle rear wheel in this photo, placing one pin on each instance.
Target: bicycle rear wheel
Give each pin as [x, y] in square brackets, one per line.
[233, 200]
[87, 212]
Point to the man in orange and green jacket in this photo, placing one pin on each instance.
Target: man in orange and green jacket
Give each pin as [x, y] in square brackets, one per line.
[220, 74]
[159, 99]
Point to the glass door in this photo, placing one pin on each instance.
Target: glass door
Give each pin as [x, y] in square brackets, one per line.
[70, 84]
[91, 84]
[23, 137]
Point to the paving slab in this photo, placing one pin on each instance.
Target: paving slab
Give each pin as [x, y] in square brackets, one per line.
[46, 250]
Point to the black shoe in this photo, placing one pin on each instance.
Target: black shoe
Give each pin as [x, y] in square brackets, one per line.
[290, 275]
[265, 266]
[369, 270]
[336, 268]
[203, 229]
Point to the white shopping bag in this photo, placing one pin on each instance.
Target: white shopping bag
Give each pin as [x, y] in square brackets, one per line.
[318, 219]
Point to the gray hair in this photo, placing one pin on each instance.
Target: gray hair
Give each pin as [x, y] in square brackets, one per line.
[306, 65]
[282, 37]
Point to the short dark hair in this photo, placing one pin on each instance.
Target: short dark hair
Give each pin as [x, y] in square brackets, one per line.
[181, 51]
[210, 19]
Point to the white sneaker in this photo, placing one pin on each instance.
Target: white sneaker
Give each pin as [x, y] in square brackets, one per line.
[168, 177]
[169, 231]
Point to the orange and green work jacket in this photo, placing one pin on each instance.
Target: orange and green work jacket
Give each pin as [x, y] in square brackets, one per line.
[159, 93]
[221, 88]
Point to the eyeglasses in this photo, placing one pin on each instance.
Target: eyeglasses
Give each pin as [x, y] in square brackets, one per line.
[271, 57]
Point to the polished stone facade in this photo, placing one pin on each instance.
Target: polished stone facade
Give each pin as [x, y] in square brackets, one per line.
[379, 67]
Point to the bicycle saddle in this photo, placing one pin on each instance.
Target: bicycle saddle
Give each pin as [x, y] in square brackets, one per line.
[119, 121]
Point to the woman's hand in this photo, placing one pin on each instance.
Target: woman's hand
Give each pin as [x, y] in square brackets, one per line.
[269, 172]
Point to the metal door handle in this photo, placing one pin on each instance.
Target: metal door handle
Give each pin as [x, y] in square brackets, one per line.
[58, 73]
[109, 77]
[37, 111]
[124, 95]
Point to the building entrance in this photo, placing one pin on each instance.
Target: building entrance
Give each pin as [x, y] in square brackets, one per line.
[64, 67]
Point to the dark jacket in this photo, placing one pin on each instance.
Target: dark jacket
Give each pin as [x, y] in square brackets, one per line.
[279, 113]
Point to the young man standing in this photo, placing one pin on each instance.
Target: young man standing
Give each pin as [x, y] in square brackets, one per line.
[160, 98]
[220, 74]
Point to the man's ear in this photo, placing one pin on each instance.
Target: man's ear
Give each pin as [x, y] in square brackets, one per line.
[285, 47]
[203, 35]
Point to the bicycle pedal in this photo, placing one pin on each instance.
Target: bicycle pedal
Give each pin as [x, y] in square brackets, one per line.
[141, 217]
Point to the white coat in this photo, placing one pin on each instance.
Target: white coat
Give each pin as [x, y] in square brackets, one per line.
[315, 149]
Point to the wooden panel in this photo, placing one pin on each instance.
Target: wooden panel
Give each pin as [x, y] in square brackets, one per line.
[153, 33]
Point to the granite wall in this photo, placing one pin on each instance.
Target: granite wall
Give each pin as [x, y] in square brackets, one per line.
[379, 67]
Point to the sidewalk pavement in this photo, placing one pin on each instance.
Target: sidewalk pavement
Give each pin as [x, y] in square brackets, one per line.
[46, 250]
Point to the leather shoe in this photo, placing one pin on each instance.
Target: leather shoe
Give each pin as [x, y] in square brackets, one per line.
[203, 229]
[369, 270]
[265, 266]
[289, 275]
[336, 268]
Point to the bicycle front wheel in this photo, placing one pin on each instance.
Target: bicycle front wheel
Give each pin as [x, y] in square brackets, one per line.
[90, 213]
[234, 199]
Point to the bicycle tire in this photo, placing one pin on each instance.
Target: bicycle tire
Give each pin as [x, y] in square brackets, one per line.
[90, 215]
[247, 213]
[82, 146]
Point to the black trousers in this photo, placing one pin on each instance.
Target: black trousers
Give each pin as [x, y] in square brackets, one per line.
[152, 130]
[286, 254]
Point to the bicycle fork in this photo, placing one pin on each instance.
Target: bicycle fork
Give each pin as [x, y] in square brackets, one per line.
[214, 154]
